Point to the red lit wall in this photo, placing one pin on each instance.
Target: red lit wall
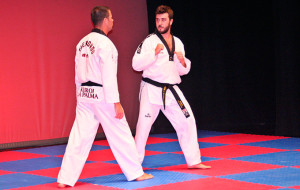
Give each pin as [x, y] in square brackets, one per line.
[37, 49]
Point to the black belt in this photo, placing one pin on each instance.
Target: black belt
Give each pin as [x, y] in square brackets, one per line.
[165, 87]
[90, 83]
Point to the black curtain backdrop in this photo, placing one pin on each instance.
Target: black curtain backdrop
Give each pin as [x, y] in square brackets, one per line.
[245, 57]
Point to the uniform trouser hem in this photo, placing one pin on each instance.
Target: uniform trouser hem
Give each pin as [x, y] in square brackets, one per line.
[194, 163]
[139, 174]
[66, 183]
[89, 115]
[186, 129]
[132, 178]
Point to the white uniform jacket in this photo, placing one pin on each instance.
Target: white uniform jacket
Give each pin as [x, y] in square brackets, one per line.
[159, 68]
[96, 61]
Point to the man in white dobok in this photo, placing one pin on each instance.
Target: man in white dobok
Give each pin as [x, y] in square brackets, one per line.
[161, 57]
[98, 102]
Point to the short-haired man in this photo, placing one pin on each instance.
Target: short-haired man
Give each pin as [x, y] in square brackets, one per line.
[98, 101]
[161, 57]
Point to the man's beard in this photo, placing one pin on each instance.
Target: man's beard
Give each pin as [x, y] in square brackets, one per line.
[165, 30]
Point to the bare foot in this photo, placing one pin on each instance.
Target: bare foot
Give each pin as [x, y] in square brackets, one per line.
[144, 177]
[199, 166]
[61, 185]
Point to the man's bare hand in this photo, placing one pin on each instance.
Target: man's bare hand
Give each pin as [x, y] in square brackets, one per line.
[119, 111]
[158, 48]
[180, 58]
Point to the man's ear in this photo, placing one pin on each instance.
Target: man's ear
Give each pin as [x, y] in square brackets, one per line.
[104, 20]
[171, 21]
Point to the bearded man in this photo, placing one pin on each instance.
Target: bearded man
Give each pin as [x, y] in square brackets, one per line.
[161, 57]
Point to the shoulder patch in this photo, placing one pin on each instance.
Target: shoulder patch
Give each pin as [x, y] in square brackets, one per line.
[139, 49]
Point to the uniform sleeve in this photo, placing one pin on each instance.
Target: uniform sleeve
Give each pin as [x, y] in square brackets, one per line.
[144, 56]
[80, 72]
[181, 69]
[109, 75]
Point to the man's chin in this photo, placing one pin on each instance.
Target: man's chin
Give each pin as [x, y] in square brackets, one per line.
[162, 31]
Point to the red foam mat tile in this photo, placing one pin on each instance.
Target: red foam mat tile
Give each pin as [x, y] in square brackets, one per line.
[233, 151]
[89, 170]
[78, 186]
[51, 172]
[150, 152]
[99, 169]
[295, 187]
[101, 155]
[212, 183]
[2, 172]
[101, 142]
[154, 140]
[14, 155]
[223, 167]
[151, 140]
[239, 138]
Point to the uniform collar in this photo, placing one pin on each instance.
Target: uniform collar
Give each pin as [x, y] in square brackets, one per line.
[170, 51]
[98, 31]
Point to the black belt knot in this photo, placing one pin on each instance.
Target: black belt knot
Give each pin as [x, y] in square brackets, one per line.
[165, 87]
[90, 83]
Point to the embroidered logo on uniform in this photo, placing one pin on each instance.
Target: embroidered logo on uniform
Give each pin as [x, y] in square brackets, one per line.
[85, 55]
[186, 113]
[148, 115]
[88, 44]
[87, 93]
[139, 49]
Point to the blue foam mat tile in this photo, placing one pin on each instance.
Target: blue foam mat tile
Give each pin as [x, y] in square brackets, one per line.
[163, 160]
[164, 147]
[200, 134]
[288, 144]
[175, 146]
[277, 158]
[57, 150]
[167, 135]
[160, 160]
[31, 164]
[160, 178]
[99, 147]
[23, 180]
[210, 145]
[283, 177]
[168, 159]
[205, 133]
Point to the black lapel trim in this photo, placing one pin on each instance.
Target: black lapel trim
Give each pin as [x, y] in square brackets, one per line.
[98, 31]
[171, 52]
[139, 49]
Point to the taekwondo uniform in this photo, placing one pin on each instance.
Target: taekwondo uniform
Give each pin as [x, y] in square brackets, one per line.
[97, 91]
[159, 91]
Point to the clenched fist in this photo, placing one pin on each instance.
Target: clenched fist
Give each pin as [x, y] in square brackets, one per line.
[158, 48]
[180, 58]
[119, 110]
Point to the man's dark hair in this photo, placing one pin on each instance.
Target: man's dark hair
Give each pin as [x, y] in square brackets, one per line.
[98, 14]
[164, 9]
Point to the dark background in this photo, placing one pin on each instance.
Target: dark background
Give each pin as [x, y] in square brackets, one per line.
[245, 64]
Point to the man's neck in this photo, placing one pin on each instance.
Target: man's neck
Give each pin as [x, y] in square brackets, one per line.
[167, 35]
[102, 28]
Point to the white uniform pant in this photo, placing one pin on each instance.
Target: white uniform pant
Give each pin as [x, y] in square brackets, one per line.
[185, 127]
[118, 134]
